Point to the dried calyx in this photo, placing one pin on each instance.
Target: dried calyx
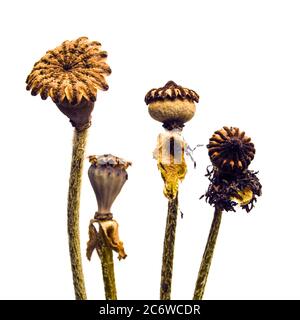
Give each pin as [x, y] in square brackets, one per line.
[169, 154]
[173, 105]
[71, 74]
[107, 175]
[110, 230]
[231, 183]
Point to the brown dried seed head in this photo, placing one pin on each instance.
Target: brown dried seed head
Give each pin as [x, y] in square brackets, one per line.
[230, 150]
[172, 105]
[71, 72]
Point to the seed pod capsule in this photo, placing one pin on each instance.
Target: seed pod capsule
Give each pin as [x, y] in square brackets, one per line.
[107, 175]
[230, 150]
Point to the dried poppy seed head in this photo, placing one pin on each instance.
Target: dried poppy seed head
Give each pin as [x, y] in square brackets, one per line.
[71, 74]
[172, 104]
[72, 71]
[107, 175]
[230, 150]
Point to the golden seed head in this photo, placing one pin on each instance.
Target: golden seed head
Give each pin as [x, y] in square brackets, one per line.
[230, 150]
[171, 91]
[71, 72]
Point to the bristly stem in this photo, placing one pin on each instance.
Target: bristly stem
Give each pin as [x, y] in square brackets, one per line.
[168, 251]
[79, 142]
[106, 256]
[207, 256]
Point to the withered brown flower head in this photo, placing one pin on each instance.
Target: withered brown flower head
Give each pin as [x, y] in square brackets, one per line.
[230, 150]
[231, 183]
[171, 91]
[225, 191]
[70, 73]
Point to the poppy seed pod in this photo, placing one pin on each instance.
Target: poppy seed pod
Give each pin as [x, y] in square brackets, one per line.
[71, 74]
[172, 104]
[107, 175]
[230, 150]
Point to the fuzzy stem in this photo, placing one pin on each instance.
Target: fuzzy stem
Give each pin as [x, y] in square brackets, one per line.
[207, 256]
[106, 256]
[168, 252]
[79, 142]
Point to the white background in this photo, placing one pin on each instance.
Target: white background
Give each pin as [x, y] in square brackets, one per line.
[242, 57]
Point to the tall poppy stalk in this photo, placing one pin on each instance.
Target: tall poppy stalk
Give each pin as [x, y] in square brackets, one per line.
[107, 175]
[71, 74]
[172, 105]
[231, 184]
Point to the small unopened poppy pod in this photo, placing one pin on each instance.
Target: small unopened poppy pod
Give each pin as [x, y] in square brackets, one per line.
[231, 184]
[70, 75]
[173, 105]
[107, 175]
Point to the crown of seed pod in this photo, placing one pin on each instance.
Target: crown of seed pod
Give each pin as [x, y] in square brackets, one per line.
[71, 74]
[230, 150]
[172, 104]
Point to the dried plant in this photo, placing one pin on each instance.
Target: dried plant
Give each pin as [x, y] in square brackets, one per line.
[72, 71]
[107, 175]
[172, 105]
[231, 184]
[231, 150]
[71, 74]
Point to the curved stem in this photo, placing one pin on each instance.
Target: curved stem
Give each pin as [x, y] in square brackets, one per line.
[106, 256]
[207, 256]
[79, 142]
[168, 252]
